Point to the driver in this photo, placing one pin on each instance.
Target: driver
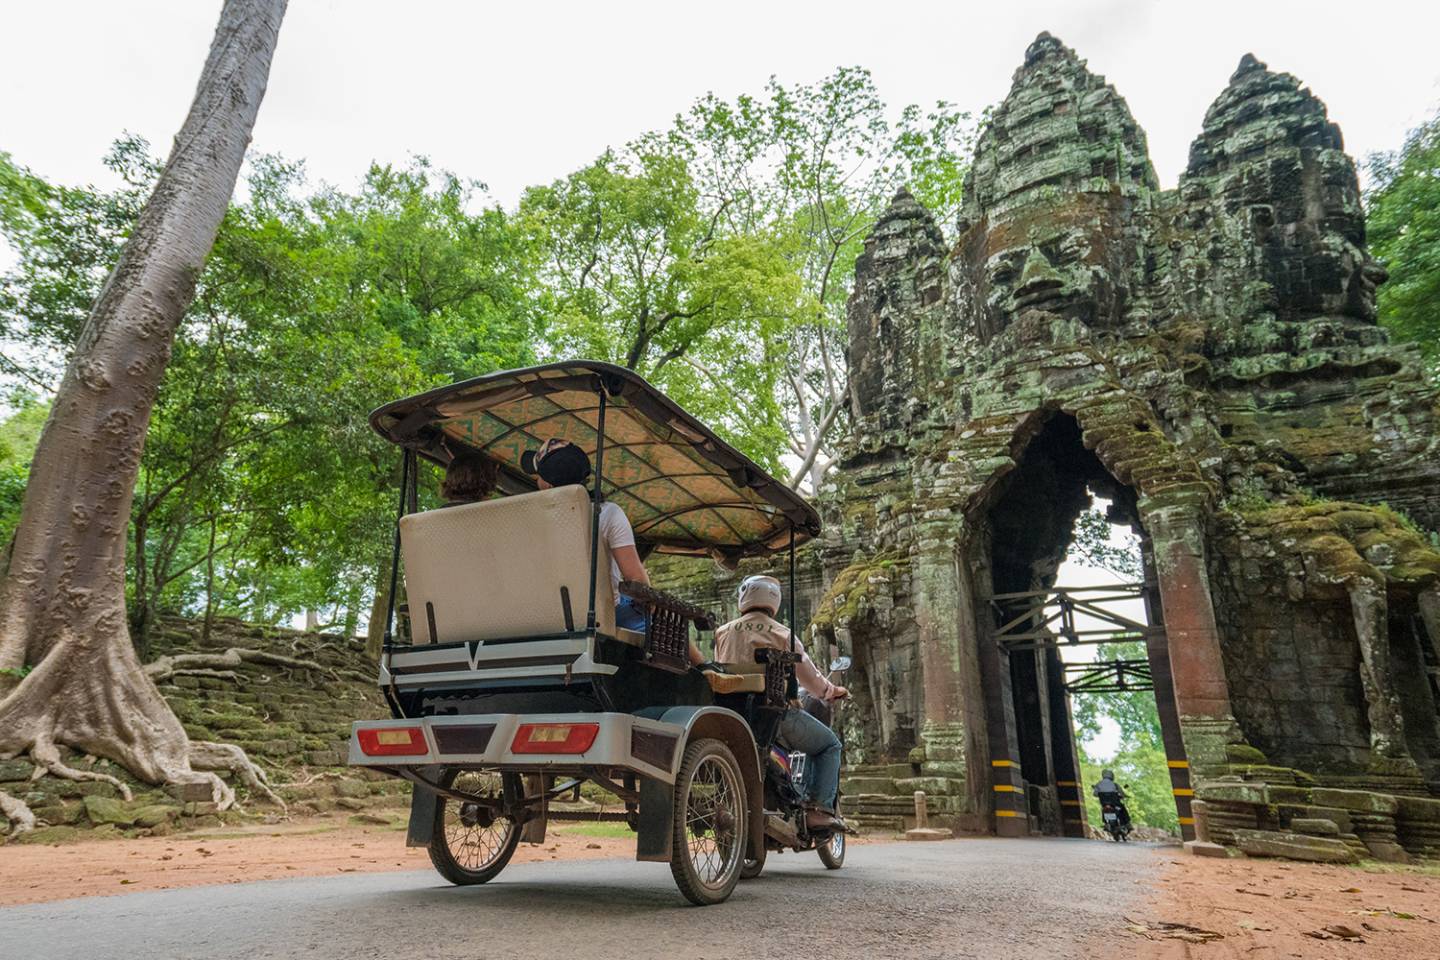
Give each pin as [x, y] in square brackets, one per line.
[737, 641]
[1108, 791]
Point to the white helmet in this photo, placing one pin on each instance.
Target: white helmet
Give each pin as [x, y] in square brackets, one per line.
[760, 593]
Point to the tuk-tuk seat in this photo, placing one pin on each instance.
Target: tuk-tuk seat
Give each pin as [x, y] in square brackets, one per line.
[505, 569]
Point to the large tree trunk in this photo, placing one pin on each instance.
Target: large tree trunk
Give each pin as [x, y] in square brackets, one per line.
[62, 599]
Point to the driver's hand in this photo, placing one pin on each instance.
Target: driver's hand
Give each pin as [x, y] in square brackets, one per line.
[838, 692]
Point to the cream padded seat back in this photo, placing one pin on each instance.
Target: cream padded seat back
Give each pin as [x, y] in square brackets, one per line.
[493, 570]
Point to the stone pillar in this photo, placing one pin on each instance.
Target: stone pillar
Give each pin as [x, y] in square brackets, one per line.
[1157, 651]
[1062, 747]
[1430, 616]
[1369, 606]
[937, 597]
[1197, 666]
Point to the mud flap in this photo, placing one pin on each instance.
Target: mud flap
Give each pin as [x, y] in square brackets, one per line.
[422, 811]
[534, 829]
[656, 821]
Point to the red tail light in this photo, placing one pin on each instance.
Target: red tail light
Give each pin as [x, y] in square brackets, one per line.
[391, 741]
[554, 737]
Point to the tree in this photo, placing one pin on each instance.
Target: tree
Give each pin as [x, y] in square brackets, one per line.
[715, 257]
[262, 492]
[815, 165]
[1403, 227]
[638, 272]
[62, 599]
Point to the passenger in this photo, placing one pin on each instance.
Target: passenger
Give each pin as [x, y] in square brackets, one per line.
[737, 641]
[468, 479]
[559, 463]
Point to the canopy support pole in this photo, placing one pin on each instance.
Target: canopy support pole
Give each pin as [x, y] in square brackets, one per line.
[794, 691]
[595, 499]
[407, 468]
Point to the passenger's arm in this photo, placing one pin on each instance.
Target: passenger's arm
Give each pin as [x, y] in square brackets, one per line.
[628, 560]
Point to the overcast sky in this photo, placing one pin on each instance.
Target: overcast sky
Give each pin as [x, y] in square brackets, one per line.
[519, 93]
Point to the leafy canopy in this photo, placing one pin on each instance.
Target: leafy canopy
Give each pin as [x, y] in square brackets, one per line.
[1403, 226]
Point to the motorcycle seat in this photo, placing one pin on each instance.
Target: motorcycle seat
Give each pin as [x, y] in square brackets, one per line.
[738, 678]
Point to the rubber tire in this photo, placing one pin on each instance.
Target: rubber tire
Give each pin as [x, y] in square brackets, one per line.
[751, 869]
[681, 867]
[439, 847]
[831, 861]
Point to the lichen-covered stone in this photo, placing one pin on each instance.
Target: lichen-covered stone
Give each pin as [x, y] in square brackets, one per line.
[1293, 846]
[1207, 359]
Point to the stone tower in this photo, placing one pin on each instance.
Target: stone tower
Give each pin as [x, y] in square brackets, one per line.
[1207, 360]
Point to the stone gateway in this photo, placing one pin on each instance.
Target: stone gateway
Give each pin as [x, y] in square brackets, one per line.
[1207, 359]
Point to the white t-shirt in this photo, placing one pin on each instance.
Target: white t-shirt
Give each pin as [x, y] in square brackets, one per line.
[615, 531]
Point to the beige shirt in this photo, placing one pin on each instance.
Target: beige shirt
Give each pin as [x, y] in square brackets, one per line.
[737, 641]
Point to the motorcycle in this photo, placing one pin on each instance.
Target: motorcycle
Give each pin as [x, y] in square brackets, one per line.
[1115, 817]
[785, 792]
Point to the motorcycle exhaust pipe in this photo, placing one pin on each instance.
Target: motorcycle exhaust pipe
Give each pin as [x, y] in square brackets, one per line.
[781, 830]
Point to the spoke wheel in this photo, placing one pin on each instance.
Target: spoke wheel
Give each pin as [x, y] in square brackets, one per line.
[708, 846]
[468, 844]
[832, 851]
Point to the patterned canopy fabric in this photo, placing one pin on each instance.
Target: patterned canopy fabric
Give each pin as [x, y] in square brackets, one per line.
[684, 489]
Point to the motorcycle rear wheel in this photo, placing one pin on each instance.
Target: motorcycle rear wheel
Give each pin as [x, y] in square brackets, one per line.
[832, 851]
[751, 869]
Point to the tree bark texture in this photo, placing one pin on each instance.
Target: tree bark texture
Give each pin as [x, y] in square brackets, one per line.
[62, 599]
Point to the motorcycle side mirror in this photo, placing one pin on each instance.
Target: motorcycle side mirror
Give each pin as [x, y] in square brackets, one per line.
[839, 664]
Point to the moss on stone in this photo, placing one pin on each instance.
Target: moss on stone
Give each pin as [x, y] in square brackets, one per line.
[852, 588]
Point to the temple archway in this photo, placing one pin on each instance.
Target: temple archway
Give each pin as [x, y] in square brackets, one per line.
[1025, 621]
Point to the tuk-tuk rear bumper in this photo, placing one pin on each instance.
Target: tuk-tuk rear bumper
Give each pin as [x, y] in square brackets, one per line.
[535, 743]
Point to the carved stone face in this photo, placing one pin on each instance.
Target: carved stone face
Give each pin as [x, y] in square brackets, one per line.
[1062, 262]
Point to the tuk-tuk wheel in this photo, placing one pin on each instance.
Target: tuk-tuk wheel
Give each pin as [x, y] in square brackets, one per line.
[468, 844]
[708, 845]
[832, 851]
[751, 869]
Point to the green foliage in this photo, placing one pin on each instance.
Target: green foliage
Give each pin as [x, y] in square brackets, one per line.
[713, 257]
[1094, 544]
[1132, 711]
[262, 491]
[1141, 770]
[1403, 227]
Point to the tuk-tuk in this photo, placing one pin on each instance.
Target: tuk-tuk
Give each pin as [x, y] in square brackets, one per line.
[508, 680]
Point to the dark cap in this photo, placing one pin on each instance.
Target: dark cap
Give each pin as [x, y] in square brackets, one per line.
[557, 462]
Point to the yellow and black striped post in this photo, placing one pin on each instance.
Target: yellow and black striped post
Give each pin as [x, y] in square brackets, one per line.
[1184, 794]
[1072, 808]
[1012, 816]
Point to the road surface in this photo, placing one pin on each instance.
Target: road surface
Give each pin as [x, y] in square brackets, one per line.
[991, 898]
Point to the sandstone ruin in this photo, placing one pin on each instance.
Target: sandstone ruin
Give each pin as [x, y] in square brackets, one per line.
[1206, 358]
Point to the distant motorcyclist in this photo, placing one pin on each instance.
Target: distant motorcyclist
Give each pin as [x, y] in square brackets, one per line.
[1108, 791]
[756, 627]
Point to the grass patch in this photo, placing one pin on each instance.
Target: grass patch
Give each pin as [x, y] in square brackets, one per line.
[1426, 868]
[593, 828]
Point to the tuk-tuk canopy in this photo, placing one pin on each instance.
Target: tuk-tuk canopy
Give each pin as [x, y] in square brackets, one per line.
[684, 489]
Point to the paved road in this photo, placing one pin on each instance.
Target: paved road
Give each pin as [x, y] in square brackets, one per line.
[971, 898]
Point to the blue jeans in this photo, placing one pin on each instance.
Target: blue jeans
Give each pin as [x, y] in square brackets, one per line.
[630, 617]
[800, 731]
